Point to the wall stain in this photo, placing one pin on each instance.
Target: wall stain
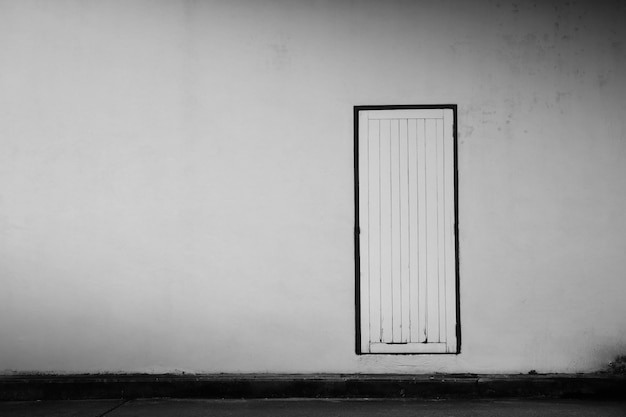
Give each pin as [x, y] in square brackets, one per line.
[603, 79]
[280, 53]
[562, 94]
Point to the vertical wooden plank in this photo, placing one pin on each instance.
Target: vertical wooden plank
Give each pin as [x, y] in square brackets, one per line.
[374, 230]
[405, 283]
[385, 232]
[450, 248]
[413, 227]
[432, 268]
[396, 282]
[441, 236]
[363, 152]
[422, 243]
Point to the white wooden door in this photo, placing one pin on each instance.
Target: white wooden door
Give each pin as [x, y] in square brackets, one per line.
[406, 212]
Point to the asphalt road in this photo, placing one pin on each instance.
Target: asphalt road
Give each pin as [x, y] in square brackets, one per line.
[314, 408]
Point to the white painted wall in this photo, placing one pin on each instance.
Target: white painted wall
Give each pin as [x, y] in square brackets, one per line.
[176, 180]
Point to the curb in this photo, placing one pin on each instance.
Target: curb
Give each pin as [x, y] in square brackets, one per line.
[231, 386]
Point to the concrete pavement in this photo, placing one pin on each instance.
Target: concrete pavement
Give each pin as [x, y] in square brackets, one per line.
[313, 408]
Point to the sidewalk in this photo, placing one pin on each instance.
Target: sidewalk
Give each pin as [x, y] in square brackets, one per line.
[313, 408]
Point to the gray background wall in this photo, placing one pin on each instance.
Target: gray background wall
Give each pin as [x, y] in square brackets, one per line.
[176, 180]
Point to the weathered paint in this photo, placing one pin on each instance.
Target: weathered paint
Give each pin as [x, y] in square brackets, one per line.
[176, 180]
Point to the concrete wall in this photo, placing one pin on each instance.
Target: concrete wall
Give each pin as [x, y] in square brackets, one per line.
[176, 180]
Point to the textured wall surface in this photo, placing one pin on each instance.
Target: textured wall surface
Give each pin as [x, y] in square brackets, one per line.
[176, 180]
